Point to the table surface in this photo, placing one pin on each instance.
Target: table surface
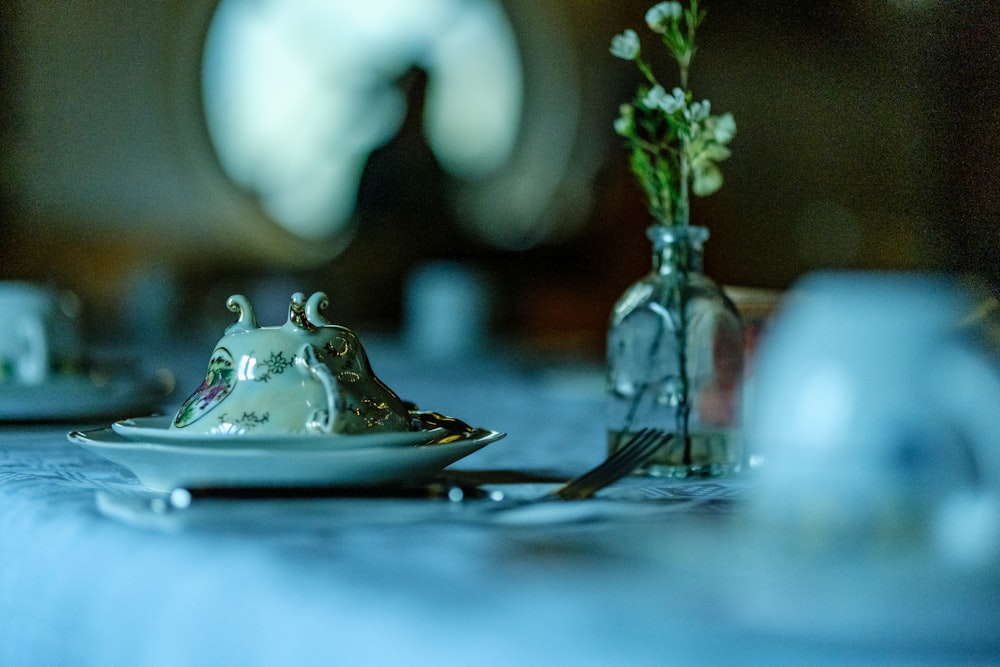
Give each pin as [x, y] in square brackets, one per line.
[94, 569]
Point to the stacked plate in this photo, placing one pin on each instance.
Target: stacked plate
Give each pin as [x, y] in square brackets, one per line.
[78, 396]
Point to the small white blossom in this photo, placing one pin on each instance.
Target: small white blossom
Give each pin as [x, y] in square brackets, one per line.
[661, 15]
[698, 111]
[724, 129]
[658, 98]
[706, 179]
[677, 102]
[655, 97]
[625, 123]
[625, 45]
[711, 153]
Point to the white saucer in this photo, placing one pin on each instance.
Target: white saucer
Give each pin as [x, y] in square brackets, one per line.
[157, 431]
[73, 397]
[171, 466]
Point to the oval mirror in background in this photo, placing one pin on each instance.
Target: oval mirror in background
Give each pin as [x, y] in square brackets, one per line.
[124, 158]
[297, 97]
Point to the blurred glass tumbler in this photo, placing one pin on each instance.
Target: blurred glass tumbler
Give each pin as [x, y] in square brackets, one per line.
[871, 408]
[446, 311]
[39, 333]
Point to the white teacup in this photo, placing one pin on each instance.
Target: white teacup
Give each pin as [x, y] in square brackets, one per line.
[306, 376]
[872, 408]
[39, 333]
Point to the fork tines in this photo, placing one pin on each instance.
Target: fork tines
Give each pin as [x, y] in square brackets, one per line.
[634, 453]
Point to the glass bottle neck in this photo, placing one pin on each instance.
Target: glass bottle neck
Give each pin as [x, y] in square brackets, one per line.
[677, 248]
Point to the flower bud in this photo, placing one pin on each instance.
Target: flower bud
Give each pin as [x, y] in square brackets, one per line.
[663, 15]
[625, 45]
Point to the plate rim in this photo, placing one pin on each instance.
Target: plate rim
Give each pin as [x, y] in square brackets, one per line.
[155, 434]
[113, 440]
[169, 466]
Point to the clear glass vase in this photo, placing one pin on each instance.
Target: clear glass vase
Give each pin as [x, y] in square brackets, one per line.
[675, 361]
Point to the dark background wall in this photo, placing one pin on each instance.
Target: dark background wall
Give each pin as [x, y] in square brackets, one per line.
[868, 134]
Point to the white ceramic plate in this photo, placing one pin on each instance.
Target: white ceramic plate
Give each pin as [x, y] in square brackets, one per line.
[157, 431]
[73, 397]
[171, 466]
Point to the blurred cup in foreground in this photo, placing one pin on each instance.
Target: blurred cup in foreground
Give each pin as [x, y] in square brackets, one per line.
[874, 411]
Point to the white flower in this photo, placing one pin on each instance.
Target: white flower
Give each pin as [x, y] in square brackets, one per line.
[658, 98]
[703, 155]
[724, 129]
[625, 45]
[706, 178]
[655, 97]
[625, 123]
[698, 111]
[710, 153]
[675, 102]
[661, 15]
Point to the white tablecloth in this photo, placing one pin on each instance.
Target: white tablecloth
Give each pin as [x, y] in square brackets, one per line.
[651, 573]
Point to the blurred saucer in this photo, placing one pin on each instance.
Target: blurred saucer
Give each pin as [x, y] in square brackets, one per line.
[79, 396]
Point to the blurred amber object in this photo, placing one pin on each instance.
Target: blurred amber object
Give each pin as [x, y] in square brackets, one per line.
[756, 306]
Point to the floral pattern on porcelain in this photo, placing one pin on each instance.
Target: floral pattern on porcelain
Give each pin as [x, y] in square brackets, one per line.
[306, 376]
[242, 424]
[218, 383]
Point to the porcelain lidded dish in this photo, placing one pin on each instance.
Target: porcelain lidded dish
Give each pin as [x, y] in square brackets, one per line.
[307, 376]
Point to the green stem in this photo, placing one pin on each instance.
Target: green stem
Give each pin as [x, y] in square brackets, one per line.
[646, 71]
[682, 216]
[684, 408]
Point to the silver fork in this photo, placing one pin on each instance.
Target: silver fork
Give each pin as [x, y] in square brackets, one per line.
[639, 449]
[624, 460]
